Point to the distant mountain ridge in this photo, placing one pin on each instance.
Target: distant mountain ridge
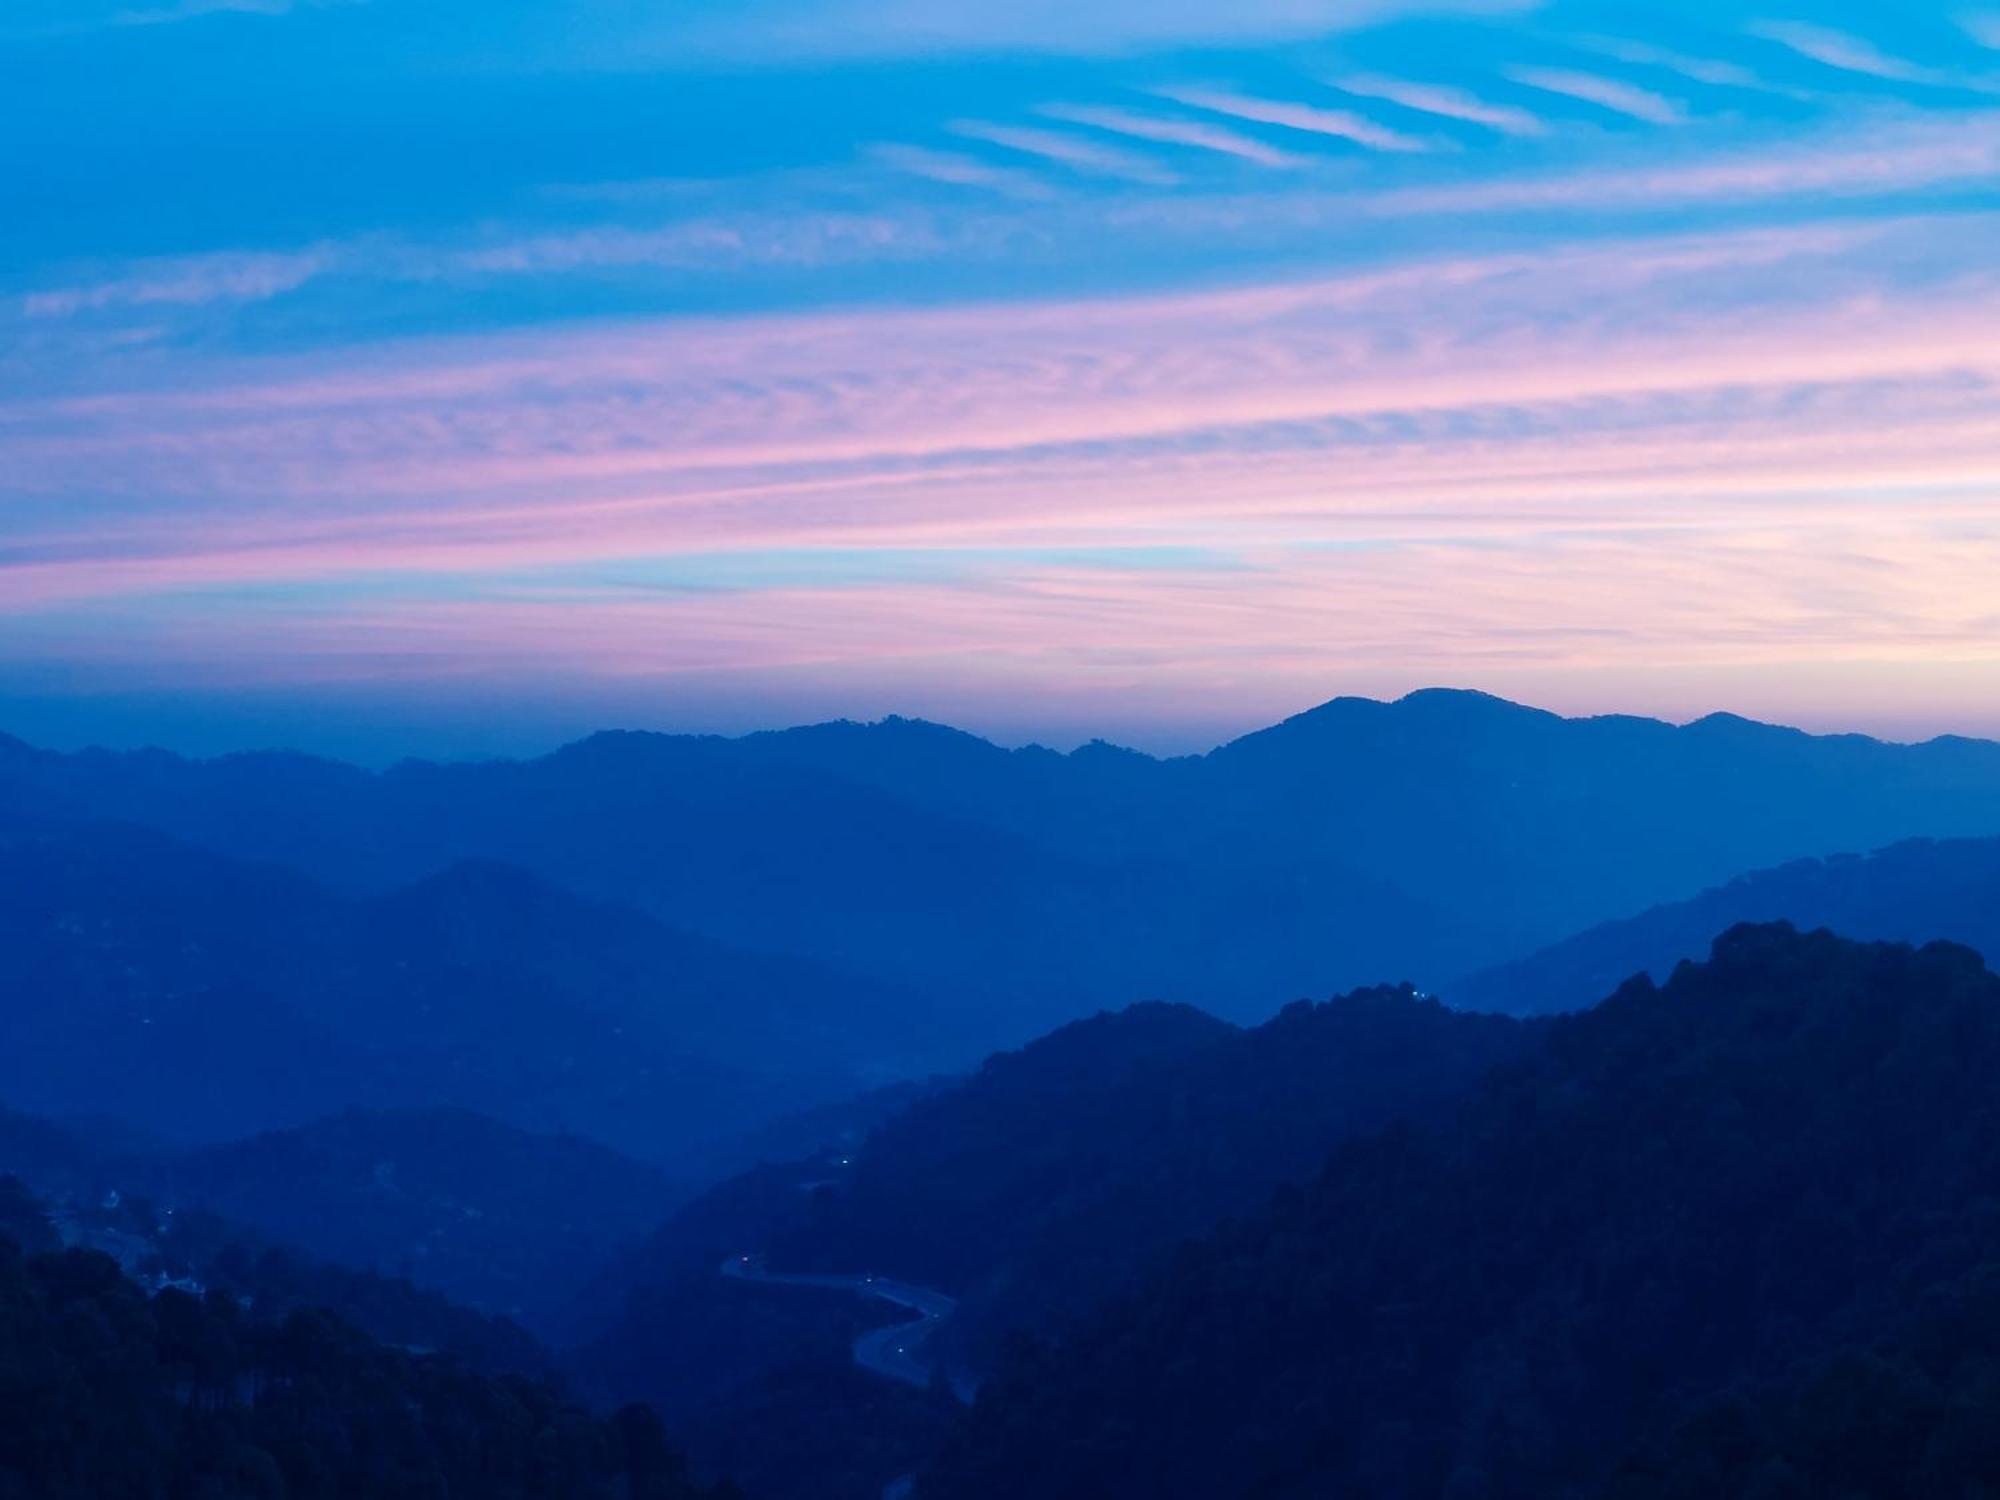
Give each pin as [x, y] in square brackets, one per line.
[205, 996]
[1355, 843]
[1918, 891]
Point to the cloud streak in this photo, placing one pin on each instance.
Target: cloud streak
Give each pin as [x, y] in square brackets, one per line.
[959, 170]
[1197, 134]
[191, 281]
[1715, 72]
[1445, 102]
[1307, 119]
[1845, 52]
[1606, 93]
[1088, 157]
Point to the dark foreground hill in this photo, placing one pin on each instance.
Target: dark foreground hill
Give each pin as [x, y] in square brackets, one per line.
[1044, 1182]
[1918, 891]
[1734, 1236]
[1356, 843]
[109, 1392]
[374, 1218]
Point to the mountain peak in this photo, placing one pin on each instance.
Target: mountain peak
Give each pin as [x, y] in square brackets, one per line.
[1428, 711]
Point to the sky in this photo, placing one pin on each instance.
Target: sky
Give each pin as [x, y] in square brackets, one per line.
[457, 376]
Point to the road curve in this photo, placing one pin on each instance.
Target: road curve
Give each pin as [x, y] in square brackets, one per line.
[894, 1352]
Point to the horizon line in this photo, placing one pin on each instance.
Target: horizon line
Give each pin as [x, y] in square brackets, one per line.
[997, 742]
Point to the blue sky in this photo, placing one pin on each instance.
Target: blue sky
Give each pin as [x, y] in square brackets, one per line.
[410, 375]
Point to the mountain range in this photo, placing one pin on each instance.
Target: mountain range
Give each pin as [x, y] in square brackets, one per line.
[556, 1039]
[1356, 843]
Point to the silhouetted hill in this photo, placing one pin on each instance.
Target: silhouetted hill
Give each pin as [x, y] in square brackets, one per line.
[372, 1217]
[495, 1217]
[1357, 842]
[825, 1128]
[1045, 1181]
[111, 1392]
[1779, 1163]
[132, 963]
[1918, 891]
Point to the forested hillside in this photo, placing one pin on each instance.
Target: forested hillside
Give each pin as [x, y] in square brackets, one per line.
[329, 1228]
[1692, 1197]
[1045, 1181]
[112, 1394]
[1030, 1191]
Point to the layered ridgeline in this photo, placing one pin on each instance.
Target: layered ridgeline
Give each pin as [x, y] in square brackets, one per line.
[1734, 1236]
[111, 1390]
[1918, 891]
[497, 1218]
[132, 963]
[1030, 1191]
[382, 1216]
[1355, 843]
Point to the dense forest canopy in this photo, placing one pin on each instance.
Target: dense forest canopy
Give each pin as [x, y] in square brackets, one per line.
[112, 1393]
[1784, 1159]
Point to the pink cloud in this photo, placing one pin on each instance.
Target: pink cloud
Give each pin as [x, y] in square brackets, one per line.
[1679, 452]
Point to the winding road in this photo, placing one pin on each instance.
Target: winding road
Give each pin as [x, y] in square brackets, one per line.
[893, 1352]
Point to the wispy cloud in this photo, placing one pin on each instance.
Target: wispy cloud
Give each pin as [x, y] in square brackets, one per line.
[1607, 93]
[813, 239]
[1089, 157]
[1310, 119]
[1878, 158]
[1845, 51]
[1716, 72]
[1441, 100]
[939, 407]
[1983, 28]
[1198, 134]
[959, 170]
[189, 281]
